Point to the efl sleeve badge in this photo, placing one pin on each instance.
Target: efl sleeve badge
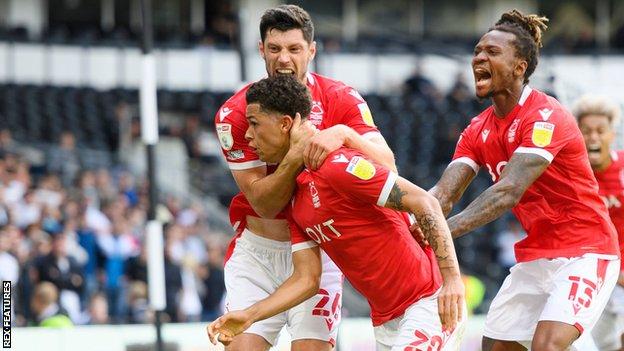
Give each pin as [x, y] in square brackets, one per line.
[542, 133]
[361, 168]
[224, 132]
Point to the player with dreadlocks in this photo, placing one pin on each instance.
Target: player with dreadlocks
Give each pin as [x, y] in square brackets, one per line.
[532, 147]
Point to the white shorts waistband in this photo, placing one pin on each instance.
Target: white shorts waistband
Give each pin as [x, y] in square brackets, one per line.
[258, 242]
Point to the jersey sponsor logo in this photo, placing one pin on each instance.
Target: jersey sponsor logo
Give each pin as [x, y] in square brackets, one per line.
[320, 232]
[235, 155]
[224, 132]
[316, 113]
[340, 159]
[225, 111]
[356, 95]
[511, 135]
[361, 168]
[542, 133]
[366, 114]
[316, 200]
[484, 134]
[545, 113]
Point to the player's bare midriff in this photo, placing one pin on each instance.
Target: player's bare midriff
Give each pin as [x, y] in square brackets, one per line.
[274, 229]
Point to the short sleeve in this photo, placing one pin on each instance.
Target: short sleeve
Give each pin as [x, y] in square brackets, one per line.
[359, 179]
[545, 132]
[298, 239]
[231, 126]
[465, 151]
[351, 109]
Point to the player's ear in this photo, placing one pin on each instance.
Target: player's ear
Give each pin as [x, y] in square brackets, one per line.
[261, 48]
[286, 123]
[521, 67]
[312, 50]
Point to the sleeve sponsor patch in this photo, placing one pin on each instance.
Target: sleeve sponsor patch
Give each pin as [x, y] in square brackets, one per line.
[361, 168]
[542, 133]
[366, 114]
[224, 132]
[234, 155]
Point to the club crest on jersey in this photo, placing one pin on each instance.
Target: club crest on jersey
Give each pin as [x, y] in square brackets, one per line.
[224, 132]
[361, 168]
[316, 113]
[366, 114]
[511, 135]
[542, 133]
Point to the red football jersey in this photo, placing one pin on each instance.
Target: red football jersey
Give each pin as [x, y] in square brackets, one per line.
[561, 211]
[611, 183]
[339, 208]
[333, 103]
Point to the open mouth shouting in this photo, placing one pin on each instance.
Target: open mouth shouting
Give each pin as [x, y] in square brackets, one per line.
[483, 77]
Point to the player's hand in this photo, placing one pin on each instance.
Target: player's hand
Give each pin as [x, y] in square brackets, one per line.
[226, 327]
[300, 134]
[322, 144]
[451, 302]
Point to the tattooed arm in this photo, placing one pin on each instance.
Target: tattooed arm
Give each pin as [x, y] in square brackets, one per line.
[521, 171]
[406, 196]
[451, 186]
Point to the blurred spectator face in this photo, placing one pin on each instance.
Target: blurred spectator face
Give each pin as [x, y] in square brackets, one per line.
[287, 53]
[87, 179]
[598, 136]
[5, 137]
[68, 142]
[98, 309]
[59, 245]
[45, 294]
[126, 181]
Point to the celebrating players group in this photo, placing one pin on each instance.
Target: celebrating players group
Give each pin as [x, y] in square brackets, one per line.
[321, 198]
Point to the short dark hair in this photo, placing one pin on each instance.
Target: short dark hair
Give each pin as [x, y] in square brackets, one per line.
[528, 31]
[282, 94]
[287, 17]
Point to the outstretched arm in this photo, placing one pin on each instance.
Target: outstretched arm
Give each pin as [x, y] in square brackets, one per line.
[301, 285]
[521, 171]
[451, 186]
[406, 196]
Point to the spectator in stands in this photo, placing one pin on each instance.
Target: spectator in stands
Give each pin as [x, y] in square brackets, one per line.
[506, 240]
[45, 307]
[97, 310]
[116, 247]
[173, 277]
[418, 84]
[7, 144]
[64, 159]
[213, 282]
[64, 272]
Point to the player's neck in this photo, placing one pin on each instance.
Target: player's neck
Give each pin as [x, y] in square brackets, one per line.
[604, 165]
[506, 100]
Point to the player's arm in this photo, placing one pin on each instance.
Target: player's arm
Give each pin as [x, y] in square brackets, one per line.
[405, 196]
[269, 194]
[373, 145]
[521, 171]
[451, 186]
[300, 286]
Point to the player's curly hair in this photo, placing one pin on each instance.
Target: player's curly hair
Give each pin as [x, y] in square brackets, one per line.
[282, 94]
[287, 17]
[528, 30]
[590, 104]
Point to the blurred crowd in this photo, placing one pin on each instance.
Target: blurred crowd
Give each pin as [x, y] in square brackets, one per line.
[72, 243]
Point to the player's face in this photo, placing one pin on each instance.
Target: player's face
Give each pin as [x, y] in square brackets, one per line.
[287, 53]
[598, 137]
[494, 65]
[268, 133]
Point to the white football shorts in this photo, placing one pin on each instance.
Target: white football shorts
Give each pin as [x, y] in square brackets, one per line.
[610, 327]
[419, 328]
[258, 266]
[569, 290]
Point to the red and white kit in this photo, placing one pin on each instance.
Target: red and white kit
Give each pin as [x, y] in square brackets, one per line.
[569, 261]
[256, 266]
[340, 208]
[610, 326]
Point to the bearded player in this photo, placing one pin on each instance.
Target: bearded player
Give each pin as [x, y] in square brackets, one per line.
[259, 256]
[597, 117]
[569, 262]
